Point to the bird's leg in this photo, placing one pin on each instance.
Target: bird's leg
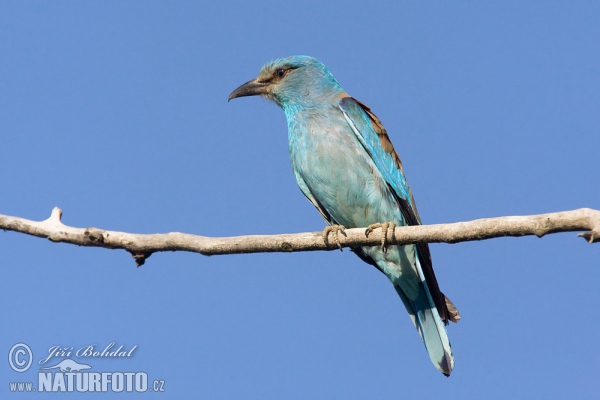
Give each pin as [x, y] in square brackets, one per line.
[336, 229]
[384, 230]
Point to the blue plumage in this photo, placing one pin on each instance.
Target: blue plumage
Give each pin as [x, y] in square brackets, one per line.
[347, 167]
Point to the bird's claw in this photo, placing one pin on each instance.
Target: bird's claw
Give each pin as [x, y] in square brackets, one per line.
[336, 229]
[384, 231]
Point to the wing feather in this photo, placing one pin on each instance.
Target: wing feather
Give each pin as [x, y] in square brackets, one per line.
[374, 138]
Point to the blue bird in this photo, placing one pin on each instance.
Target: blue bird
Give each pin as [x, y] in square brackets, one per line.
[345, 164]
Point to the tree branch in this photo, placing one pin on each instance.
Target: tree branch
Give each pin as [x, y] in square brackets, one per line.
[141, 246]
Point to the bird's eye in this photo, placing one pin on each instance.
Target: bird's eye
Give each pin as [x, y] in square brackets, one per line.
[280, 72]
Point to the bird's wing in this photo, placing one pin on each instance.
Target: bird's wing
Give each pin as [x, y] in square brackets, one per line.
[370, 132]
[373, 136]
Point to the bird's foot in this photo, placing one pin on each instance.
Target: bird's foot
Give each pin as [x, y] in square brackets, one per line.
[336, 230]
[385, 227]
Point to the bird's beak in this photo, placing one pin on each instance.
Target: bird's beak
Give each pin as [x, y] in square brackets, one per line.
[250, 88]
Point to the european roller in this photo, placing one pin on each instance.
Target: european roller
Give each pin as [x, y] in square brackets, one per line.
[346, 166]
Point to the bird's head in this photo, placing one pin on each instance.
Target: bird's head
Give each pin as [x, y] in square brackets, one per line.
[297, 81]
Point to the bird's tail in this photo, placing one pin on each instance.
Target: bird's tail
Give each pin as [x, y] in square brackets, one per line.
[427, 320]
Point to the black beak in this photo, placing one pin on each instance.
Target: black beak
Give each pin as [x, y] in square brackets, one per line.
[250, 88]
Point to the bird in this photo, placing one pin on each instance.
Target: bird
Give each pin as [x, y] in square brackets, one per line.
[346, 166]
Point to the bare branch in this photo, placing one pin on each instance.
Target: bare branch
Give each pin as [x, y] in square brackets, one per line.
[141, 246]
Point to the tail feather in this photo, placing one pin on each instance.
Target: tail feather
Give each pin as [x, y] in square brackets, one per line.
[431, 328]
[430, 325]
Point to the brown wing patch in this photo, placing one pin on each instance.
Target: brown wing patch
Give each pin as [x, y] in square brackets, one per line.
[378, 127]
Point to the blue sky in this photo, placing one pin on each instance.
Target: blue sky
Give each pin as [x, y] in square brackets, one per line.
[117, 112]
